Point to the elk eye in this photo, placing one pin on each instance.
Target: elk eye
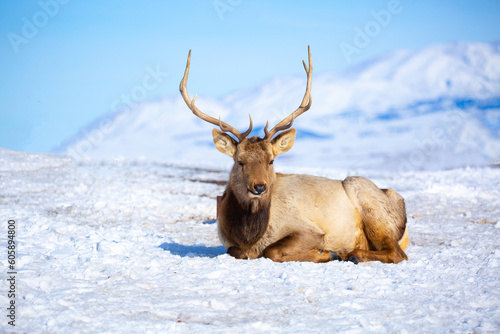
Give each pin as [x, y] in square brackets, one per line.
[272, 161]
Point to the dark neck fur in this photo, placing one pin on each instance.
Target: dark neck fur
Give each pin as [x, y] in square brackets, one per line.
[245, 224]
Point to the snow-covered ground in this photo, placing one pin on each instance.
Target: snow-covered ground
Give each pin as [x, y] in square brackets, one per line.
[131, 246]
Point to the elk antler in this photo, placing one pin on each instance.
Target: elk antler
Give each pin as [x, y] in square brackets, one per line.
[223, 126]
[288, 121]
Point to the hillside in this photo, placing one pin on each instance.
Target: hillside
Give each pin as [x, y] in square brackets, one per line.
[434, 108]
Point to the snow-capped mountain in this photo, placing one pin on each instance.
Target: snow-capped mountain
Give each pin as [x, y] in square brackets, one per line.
[434, 108]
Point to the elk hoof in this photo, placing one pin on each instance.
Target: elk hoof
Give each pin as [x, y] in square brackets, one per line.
[237, 253]
[335, 257]
[353, 259]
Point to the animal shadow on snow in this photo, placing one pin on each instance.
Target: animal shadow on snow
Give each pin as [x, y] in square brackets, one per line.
[193, 250]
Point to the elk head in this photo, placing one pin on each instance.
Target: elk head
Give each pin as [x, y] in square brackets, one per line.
[252, 176]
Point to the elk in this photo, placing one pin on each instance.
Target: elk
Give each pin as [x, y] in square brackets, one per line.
[299, 217]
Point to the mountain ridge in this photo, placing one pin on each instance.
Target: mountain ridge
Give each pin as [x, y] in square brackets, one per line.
[396, 100]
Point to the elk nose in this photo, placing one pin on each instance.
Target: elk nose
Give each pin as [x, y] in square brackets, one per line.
[259, 188]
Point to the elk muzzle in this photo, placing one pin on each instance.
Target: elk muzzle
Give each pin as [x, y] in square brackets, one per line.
[259, 189]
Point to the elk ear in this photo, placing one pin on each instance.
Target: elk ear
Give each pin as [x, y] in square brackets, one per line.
[283, 142]
[224, 143]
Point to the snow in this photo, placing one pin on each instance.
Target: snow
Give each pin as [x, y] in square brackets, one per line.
[131, 246]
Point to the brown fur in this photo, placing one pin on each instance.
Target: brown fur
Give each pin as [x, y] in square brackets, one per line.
[244, 227]
[299, 217]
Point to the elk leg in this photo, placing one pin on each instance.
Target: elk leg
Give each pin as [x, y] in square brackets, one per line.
[383, 217]
[389, 252]
[236, 252]
[299, 247]
[382, 240]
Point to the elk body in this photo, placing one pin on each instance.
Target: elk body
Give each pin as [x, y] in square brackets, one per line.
[300, 217]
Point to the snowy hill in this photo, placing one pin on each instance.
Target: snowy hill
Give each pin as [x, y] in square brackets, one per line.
[133, 248]
[434, 108]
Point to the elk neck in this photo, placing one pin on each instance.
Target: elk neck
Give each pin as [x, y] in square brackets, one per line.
[247, 221]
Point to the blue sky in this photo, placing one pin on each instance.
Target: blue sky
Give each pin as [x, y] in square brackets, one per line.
[66, 62]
